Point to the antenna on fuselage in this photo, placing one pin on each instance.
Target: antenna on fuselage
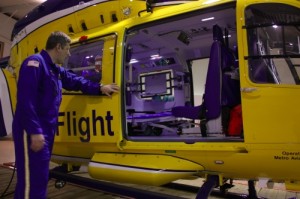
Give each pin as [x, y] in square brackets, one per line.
[148, 7]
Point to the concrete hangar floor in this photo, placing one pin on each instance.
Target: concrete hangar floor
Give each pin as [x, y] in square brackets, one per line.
[75, 190]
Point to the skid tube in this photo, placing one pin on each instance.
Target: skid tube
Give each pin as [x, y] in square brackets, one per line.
[212, 181]
[109, 187]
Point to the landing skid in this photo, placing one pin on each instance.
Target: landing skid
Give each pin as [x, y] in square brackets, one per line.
[251, 190]
[205, 190]
[61, 182]
[213, 182]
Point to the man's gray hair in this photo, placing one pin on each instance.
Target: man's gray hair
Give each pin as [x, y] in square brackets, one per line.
[57, 37]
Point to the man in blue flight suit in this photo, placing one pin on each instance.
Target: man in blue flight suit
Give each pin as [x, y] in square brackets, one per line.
[35, 122]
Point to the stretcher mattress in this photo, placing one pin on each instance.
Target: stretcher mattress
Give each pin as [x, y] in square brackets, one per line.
[156, 117]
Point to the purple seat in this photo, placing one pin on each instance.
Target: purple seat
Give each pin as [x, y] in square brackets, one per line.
[221, 89]
[212, 92]
[222, 84]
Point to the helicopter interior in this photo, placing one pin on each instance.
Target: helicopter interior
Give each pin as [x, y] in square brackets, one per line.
[180, 76]
[200, 97]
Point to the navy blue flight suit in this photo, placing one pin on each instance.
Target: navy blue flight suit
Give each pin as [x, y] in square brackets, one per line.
[38, 99]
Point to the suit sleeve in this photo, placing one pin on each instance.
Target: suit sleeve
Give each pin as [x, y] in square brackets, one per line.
[28, 83]
[73, 82]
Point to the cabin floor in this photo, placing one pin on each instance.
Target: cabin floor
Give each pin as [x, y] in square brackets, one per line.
[75, 191]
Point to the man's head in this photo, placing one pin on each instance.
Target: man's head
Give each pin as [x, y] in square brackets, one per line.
[98, 63]
[58, 46]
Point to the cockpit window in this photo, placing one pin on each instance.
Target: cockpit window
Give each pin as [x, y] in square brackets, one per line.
[273, 32]
[91, 59]
[86, 60]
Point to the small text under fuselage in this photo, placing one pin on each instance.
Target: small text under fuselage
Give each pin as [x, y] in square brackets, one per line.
[288, 155]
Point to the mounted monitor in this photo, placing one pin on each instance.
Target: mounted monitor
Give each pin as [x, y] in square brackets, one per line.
[156, 84]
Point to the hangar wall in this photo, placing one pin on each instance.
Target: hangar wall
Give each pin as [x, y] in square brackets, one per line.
[7, 24]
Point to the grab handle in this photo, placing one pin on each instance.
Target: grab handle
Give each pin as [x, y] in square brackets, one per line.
[248, 89]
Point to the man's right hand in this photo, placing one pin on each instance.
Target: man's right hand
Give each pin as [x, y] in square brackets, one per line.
[37, 142]
[109, 89]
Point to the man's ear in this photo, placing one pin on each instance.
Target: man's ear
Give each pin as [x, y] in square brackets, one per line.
[58, 46]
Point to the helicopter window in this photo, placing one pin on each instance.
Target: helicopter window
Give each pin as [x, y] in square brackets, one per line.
[274, 43]
[91, 58]
[84, 60]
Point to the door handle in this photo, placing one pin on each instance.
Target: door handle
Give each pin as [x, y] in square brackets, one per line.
[248, 89]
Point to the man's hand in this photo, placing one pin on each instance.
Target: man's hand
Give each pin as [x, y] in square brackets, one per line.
[37, 142]
[109, 89]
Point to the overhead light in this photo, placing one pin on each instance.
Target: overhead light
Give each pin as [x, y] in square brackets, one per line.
[275, 26]
[207, 19]
[156, 56]
[132, 61]
[227, 36]
[89, 56]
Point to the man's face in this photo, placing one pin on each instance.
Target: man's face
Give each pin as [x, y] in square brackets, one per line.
[63, 53]
[98, 63]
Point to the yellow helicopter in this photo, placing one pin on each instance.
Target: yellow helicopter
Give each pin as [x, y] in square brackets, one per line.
[208, 88]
